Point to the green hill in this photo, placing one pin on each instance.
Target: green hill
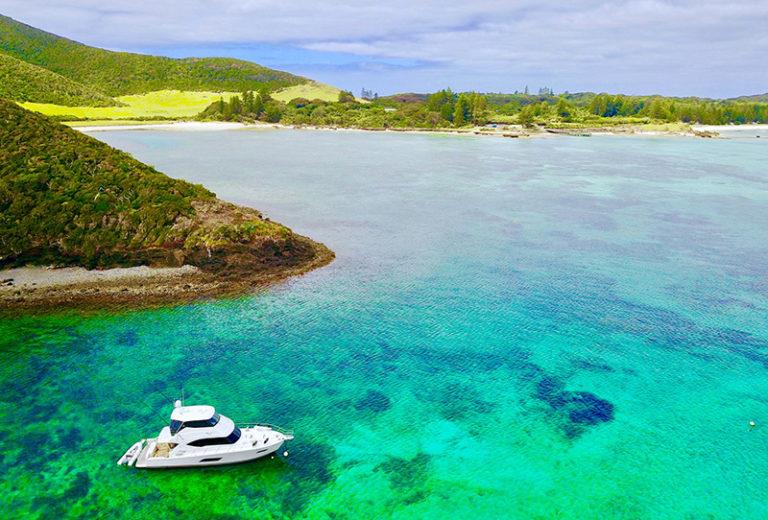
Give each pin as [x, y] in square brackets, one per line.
[122, 73]
[68, 199]
[756, 98]
[22, 81]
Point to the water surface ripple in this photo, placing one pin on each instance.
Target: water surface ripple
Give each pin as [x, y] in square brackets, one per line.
[556, 328]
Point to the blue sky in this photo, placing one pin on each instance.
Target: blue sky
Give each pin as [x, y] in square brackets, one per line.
[672, 47]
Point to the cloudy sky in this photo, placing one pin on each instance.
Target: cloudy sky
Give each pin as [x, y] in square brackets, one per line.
[673, 47]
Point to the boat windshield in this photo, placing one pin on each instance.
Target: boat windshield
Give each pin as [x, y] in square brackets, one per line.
[177, 426]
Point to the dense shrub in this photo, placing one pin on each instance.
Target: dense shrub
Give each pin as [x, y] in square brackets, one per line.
[22, 81]
[68, 198]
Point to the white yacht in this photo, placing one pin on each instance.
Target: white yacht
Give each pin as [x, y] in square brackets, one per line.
[198, 436]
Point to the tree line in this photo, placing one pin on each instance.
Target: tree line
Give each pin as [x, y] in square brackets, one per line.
[446, 108]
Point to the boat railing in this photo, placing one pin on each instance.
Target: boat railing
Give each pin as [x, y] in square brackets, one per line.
[284, 431]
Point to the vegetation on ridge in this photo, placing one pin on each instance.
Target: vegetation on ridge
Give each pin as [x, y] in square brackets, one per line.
[22, 81]
[68, 199]
[122, 73]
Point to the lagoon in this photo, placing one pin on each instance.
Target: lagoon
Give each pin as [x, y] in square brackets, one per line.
[555, 328]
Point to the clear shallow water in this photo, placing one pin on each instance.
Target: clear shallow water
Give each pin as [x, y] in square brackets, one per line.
[562, 328]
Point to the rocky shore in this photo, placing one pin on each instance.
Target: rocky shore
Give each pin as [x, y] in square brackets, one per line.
[33, 288]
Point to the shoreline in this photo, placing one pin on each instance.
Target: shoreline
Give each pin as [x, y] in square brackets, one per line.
[175, 126]
[502, 131]
[43, 289]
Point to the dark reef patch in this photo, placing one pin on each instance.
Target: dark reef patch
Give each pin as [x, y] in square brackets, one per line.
[38, 412]
[458, 402]
[56, 504]
[79, 487]
[435, 361]
[656, 326]
[414, 498]
[374, 401]
[550, 389]
[406, 474]
[388, 352]
[128, 338]
[310, 471]
[70, 438]
[30, 376]
[578, 409]
[587, 408]
[31, 456]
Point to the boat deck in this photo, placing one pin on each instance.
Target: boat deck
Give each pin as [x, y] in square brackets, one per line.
[141, 461]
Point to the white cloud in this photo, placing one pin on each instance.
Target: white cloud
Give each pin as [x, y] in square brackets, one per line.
[696, 46]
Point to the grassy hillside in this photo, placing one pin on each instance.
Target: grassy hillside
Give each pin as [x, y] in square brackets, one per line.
[22, 81]
[171, 104]
[121, 73]
[68, 199]
[311, 90]
[757, 98]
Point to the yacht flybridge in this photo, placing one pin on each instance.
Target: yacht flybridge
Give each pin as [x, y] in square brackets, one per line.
[198, 436]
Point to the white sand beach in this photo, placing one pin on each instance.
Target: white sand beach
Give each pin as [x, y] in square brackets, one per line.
[725, 128]
[181, 126]
[43, 277]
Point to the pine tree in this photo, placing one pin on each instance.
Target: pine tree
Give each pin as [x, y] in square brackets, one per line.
[564, 109]
[525, 117]
[226, 112]
[236, 106]
[461, 112]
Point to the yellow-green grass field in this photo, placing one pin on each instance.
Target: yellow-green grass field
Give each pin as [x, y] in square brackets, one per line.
[173, 104]
[163, 103]
[311, 90]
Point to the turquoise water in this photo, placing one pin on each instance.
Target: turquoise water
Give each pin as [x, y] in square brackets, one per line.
[555, 328]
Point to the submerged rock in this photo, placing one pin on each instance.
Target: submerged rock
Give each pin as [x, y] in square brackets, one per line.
[578, 408]
[587, 408]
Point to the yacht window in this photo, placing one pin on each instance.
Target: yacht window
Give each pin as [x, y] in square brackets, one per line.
[213, 421]
[229, 439]
[177, 426]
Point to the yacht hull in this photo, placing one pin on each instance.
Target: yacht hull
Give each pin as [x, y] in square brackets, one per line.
[197, 458]
[198, 436]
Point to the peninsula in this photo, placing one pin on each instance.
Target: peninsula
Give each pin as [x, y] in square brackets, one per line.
[68, 200]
